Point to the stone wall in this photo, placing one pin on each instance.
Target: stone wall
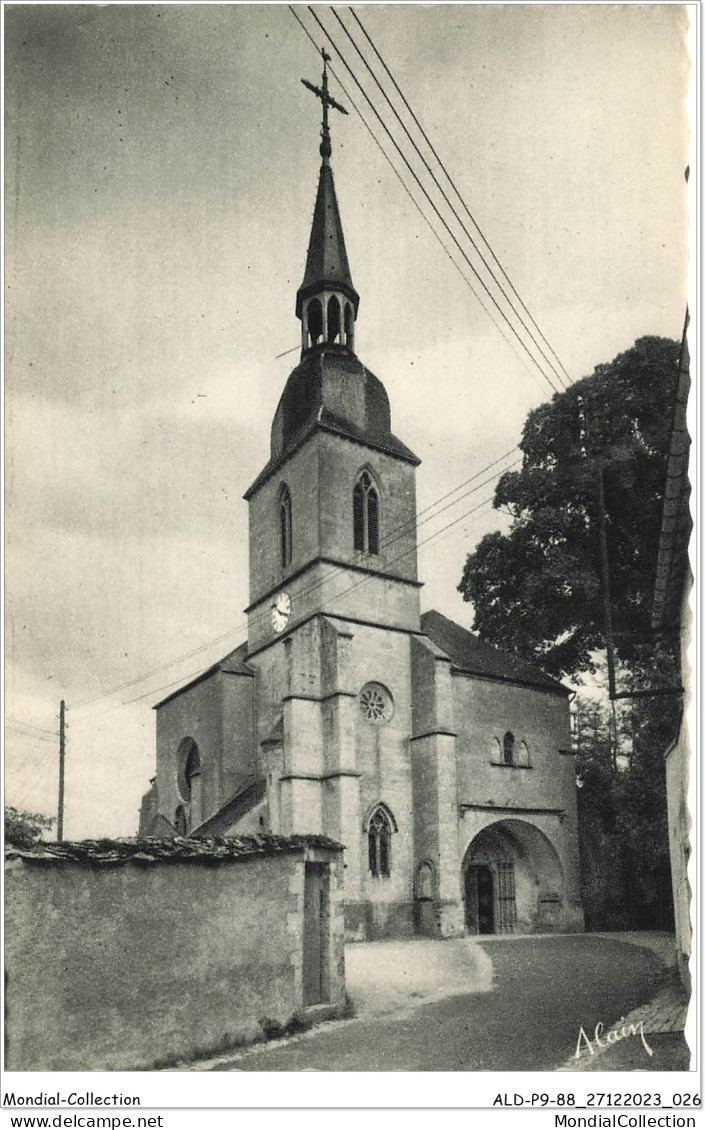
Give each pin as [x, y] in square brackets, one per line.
[148, 960]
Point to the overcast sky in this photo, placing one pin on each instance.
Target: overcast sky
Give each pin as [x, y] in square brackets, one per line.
[161, 166]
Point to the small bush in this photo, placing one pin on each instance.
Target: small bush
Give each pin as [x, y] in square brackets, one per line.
[23, 829]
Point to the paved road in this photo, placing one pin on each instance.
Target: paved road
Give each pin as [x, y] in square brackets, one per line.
[543, 991]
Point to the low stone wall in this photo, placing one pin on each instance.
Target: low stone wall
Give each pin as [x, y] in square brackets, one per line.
[131, 956]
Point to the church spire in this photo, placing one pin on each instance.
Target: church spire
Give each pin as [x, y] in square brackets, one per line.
[326, 301]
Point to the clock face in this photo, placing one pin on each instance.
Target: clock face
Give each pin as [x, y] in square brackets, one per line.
[281, 611]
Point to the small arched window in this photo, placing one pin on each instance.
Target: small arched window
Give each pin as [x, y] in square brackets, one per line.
[508, 748]
[379, 844]
[188, 773]
[524, 758]
[188, 767]
[285, 527]
[366, 515]
[193, 769]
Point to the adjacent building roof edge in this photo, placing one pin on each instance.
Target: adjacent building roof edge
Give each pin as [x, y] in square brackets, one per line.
[471, 655]
[231, 664]
[180, 849]
[676, 522]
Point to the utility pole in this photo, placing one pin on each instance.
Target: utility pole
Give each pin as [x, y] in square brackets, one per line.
[62, 760]
[607, 603]
[594, 447]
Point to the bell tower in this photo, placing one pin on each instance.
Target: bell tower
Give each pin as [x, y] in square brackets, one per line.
[333, 513]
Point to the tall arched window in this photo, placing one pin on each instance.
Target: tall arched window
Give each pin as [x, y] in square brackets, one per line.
[285, 527]
[379, 843]
[366, 515]
[508, 748]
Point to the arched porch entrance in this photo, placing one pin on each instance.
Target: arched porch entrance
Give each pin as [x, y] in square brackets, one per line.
[512, 881]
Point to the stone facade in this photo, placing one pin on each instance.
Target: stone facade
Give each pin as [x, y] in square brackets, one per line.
[186, 953]
[441, 764]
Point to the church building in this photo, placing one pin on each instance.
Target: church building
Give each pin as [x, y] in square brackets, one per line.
[443, 765]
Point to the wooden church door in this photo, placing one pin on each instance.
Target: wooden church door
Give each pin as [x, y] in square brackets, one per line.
[479, 899]
[485, 900]
[315, 968]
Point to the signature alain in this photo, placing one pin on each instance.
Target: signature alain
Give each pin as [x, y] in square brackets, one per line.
[614, 1036]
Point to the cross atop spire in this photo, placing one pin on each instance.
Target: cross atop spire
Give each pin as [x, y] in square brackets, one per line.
[326, 100]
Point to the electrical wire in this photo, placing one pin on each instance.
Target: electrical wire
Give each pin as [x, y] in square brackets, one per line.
[394, 536]
[339, 596]
[421, 212]
[457, 192]
[431, 202]
[329, 577]
[431, 173]
[18, 722]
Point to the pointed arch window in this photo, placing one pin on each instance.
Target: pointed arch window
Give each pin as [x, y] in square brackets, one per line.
[285, 530]
[366, 515]
[508, 748]
[379, 843]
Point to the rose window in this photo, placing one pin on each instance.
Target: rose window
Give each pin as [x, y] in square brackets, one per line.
[375, 703]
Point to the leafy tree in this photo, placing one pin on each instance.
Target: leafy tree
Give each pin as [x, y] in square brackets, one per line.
[536, 590]
[23, 829]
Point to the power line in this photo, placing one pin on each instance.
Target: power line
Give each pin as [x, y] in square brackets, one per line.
[420, 210]
[39, 771]
[472, 267]
[338, 596]
[428, 168]
[319, 584]
[396, 534]
[28, 733]
[18, 722]
[156, 670]
[37, 739]
[233, 631]
[451, 182]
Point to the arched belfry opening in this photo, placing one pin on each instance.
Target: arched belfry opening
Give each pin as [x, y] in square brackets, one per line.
[349, 327]
[333, 319]
[313, 323]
